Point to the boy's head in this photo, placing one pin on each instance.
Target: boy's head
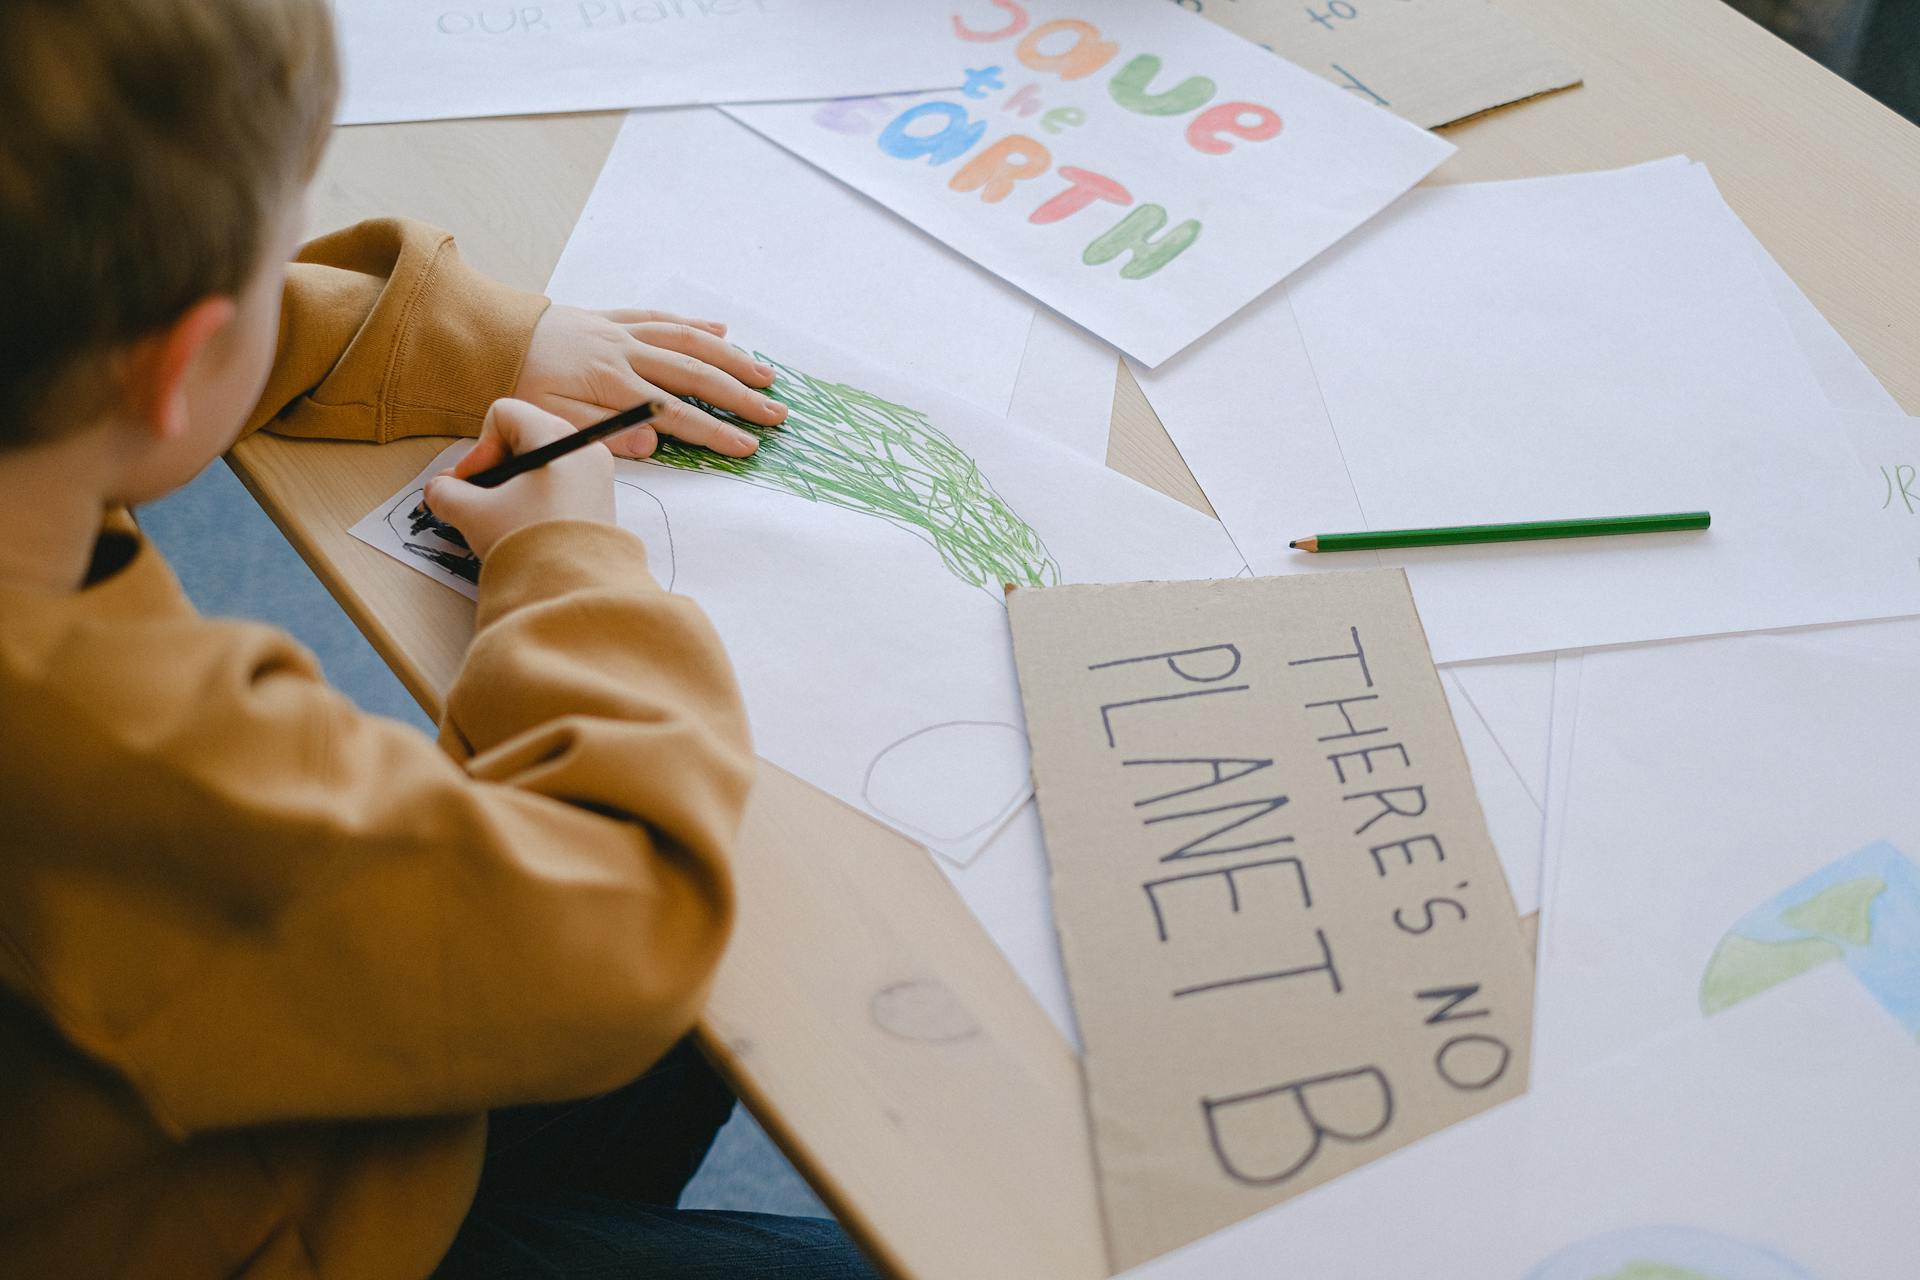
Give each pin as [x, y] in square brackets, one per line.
[153, 156]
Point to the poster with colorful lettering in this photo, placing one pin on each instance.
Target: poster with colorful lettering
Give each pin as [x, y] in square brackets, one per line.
[1139, 169]
[1289, 942]
[450, 59]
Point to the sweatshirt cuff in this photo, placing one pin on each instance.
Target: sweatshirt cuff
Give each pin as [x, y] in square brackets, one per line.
[460, 348]
[554, 558]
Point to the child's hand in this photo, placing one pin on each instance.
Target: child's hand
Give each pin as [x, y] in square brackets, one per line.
[587, 365]
[578, 486]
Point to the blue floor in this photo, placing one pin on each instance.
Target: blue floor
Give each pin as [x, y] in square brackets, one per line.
[234, 563]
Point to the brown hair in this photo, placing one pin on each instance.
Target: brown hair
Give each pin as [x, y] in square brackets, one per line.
[144, 146]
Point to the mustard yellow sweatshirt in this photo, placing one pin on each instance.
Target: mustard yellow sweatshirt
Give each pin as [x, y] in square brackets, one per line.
[266, 960]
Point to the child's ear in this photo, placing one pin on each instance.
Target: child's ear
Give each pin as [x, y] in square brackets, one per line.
[155, 368]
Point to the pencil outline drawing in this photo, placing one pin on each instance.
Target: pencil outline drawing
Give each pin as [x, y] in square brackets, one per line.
[658, 549]
[917, 823]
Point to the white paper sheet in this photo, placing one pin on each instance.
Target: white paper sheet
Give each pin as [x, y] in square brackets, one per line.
[1734, 720]
[693, 195]
[1119, 120]
[1066, 385]
[1562, 720]
[1709, 777]
[1513, 816]
[1889, 449]
[1505, 710]
[1779, 1142]
[1844, 378]
[446, 59]
[1601, 343]
[871, 642]
[1515, 698]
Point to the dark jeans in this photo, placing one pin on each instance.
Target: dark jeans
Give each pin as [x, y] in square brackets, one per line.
[586, 1191]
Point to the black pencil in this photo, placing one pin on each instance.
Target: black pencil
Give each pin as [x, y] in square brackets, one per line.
[533, 459]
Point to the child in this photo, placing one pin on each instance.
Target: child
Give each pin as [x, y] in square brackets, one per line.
[266, 963]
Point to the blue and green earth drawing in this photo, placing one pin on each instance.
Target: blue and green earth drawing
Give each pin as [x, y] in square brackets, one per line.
[1862, 910]
[1666, 1253]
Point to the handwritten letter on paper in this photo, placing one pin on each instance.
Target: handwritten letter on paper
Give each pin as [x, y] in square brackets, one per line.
[1289, 942]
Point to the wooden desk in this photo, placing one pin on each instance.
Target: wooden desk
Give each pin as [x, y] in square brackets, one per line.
[863, 1015]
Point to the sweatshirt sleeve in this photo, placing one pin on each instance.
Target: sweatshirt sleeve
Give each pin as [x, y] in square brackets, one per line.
[323, 915]
[385, 332]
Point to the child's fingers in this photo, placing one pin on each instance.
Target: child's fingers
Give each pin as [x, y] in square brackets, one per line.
[487, 451]
[452, 499]
[578, 413]
[684, 422]
[521, 426]
[637, 443]
[511, 426]
[688, 375]
[631, 317]
[702, 345]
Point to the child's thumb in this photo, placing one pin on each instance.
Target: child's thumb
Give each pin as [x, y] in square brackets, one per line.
[450, 500]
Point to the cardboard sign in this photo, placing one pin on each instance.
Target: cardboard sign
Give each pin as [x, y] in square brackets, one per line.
[1428, 61]
[1290, 944]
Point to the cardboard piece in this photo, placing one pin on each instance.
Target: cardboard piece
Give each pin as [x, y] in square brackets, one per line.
[1432, 62]
[1289, 943]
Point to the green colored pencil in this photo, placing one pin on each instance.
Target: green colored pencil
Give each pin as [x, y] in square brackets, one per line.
[1526, 531]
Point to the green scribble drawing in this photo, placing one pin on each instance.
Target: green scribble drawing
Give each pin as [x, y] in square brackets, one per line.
[1656, 1271]
[1743, 967]
[849, 448]
[1842, 913]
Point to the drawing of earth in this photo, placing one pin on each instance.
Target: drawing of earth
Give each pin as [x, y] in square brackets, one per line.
[1862, 910]
[640, 512]
[1666, 1253]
